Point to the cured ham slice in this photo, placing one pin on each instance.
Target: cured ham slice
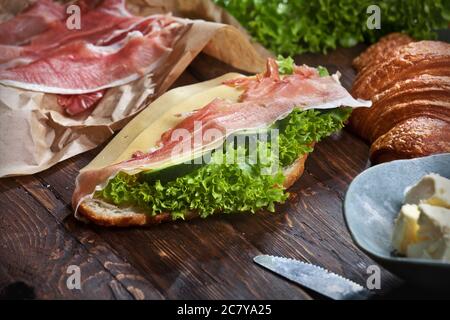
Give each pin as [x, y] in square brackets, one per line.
[277, 97]
[35, 19]
[78, 103]
[116, 7]
[80, 67]
[270, 85]
[99, 28]
[77, 64]
[144, 25]
[12, 55]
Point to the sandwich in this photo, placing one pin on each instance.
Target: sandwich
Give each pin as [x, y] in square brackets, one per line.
[235, 148]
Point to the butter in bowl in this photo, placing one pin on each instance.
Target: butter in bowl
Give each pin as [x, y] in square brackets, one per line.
[408, 233]
[422, 228]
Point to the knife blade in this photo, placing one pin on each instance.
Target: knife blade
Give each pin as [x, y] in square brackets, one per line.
[314, 277]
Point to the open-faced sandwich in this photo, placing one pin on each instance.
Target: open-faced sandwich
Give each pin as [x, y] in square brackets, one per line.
[231, 148]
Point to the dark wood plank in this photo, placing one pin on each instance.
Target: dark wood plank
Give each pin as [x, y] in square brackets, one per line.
[205, 67]
[204, 259]
[49, 202]
[36, 251]
[338, 160]
[125, 274]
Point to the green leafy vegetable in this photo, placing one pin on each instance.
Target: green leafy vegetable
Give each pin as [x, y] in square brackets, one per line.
[215, 187]
[293, 27]
[285, 65]
[302, 128]
[323, 72]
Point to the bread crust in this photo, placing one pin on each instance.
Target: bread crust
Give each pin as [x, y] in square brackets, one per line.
[409, 85]
[415, 136]
[105, 214]
[381, 50]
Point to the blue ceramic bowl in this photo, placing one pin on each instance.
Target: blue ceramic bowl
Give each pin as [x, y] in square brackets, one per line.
[371, 205]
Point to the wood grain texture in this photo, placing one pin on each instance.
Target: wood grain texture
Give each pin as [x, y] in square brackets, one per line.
[210, 258]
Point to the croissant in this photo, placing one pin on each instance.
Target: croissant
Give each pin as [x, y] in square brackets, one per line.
[409, 85]
[383, 48]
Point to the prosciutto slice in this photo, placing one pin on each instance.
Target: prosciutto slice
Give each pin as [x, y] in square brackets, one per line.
[78, 103]
[266, 99]
[80, 67]
[112, 48]
[37, 18]
[102, 26]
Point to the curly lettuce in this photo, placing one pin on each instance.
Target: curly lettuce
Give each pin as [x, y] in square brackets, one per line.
[285, 65]
[295, 27]
[215, 187]
[302, 128]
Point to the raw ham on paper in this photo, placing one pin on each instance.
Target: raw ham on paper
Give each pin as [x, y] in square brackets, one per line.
[78, 103]
[102, 26]
[37, 18]
[80, 67]
[277, 97]
[112, 48]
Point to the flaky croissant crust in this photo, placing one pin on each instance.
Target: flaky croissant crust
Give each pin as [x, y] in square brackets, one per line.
[410, 90]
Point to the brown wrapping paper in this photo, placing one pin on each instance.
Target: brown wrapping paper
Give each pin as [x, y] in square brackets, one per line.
[36, 134]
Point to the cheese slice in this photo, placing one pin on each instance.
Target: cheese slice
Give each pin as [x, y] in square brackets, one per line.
[406, 227]
[431, 189]
[433, 236]
[142, 133]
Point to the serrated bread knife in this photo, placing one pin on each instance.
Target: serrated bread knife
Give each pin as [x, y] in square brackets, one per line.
[315, 278]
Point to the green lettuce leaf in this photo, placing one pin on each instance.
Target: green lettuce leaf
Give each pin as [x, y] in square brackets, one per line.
[294, 27]
[301, 128]
[215, 187]
[285, 65]
[323, 72]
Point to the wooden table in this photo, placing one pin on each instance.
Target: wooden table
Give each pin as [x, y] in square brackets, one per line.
[199, 259]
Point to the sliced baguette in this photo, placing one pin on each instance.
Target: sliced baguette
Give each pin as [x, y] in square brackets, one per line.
[106, 214]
